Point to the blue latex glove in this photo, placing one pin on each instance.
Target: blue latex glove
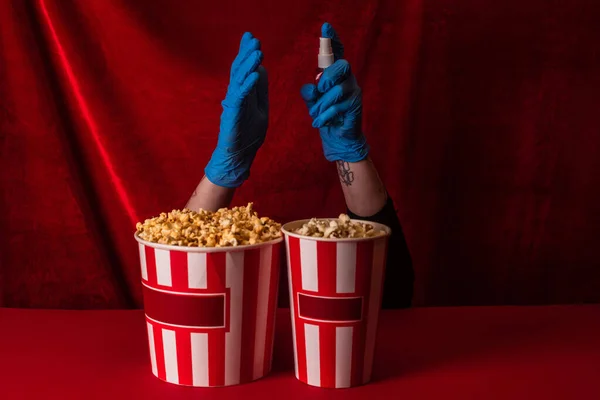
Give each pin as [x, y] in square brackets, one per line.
[244, 119]
[335, 105]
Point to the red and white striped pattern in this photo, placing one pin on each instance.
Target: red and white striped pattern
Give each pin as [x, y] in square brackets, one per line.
[335, 293]
[210, 316]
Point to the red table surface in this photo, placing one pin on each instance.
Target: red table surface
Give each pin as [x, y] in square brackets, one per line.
[442, 353]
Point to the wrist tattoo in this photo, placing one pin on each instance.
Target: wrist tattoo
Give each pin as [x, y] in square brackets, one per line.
[346, 176]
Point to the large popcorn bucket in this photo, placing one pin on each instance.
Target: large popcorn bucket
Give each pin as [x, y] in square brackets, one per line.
[335, 297]
[210, 312]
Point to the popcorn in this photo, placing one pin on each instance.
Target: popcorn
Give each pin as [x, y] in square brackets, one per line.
[341, 228]
[226, 227]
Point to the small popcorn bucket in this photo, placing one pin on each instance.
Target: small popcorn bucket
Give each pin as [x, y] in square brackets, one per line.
[210, 312]
[335, 297]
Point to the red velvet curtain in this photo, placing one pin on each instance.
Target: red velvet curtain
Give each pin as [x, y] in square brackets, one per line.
[482, 116]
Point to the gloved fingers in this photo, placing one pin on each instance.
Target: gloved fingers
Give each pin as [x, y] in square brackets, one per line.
[248, 85]
[327, 31]
[333, 75]
[249, 66]
[246, 37]
[262, 88]
[248, 45]
[332, 96]
[331, 113]
[310, 94]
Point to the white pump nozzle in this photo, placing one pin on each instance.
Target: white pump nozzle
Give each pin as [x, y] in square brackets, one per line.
[325, 53]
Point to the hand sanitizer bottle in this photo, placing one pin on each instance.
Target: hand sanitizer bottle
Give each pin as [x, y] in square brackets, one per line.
[325, 57]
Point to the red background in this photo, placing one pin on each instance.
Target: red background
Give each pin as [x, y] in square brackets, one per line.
[482, 116]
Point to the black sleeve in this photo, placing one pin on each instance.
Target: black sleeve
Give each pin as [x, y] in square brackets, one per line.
[399, 274]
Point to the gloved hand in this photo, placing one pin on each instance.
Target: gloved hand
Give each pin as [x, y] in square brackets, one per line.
[244, 119]
[335, 105]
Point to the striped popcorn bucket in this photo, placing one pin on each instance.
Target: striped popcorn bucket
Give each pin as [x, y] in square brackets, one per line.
[335, 297]
[210, 312]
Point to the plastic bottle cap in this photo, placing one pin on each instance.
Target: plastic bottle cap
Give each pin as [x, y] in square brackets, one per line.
[325, 57]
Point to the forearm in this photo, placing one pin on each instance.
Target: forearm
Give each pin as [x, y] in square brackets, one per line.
[364, 192]
[367, 199]
[209, 196]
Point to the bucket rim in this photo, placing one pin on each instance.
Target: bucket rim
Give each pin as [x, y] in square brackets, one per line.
[288, 227]
[199, 249]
